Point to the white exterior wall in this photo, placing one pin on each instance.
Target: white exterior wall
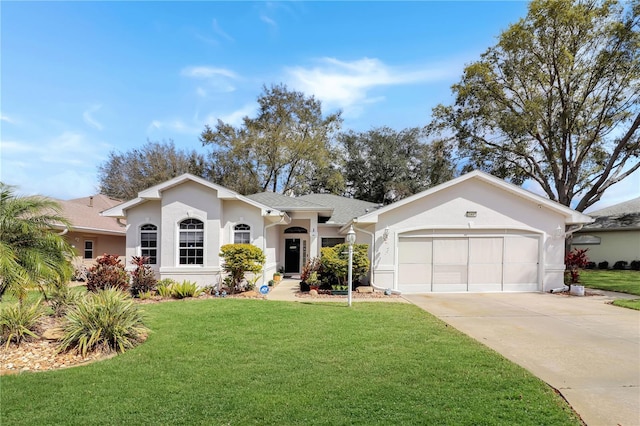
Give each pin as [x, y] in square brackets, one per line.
[149, 212]
[614, 246]
[444, 212]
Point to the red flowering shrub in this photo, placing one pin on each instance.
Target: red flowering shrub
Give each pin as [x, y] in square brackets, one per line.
[108, 272]
[574, 261]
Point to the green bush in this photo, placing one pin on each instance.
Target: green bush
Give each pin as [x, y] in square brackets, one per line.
[335, 260]
[61, 298]
[19, 321]
[108, 272]
[106, 320]
[185, 289]
[239, 259]
[164, 287]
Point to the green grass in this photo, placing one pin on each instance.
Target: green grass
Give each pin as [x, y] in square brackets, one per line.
[622, 281]
[626, 303]
[226, 361]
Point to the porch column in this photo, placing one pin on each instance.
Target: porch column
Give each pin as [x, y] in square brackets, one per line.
[314, 251]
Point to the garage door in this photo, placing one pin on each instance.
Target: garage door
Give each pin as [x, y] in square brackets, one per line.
[468, 264]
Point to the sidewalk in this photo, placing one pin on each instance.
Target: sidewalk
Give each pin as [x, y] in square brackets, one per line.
[285, 291]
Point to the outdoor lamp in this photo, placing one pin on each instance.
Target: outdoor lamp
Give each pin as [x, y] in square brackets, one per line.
[351, 239]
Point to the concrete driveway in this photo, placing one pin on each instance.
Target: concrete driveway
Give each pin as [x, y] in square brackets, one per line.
[585, 348]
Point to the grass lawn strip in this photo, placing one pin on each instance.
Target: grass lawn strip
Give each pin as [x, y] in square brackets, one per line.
[255, 362]
[622, 281]
[626, 303]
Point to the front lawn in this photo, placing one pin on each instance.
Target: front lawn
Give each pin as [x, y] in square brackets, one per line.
[226, 361]
[622, 281]
[626, 303]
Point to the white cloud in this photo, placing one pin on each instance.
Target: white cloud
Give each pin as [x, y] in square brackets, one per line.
[89, 119]
[61, 167]
[268, 21]
[207, 72]
[220, 31]
[233, 118]
[347, 85]
[7, 119]
[175, 125]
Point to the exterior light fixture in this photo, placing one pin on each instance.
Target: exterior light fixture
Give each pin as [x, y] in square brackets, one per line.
[351, 239]
[559, 232]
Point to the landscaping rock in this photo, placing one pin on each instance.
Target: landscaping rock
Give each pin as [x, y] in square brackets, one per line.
[52, 334]
[313, 293]
[364, 289]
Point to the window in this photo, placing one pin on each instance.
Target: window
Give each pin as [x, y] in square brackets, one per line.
[242, 234]
[295, 230]
[88, 249]
[331, 242]
[149, 242]
[191, 242]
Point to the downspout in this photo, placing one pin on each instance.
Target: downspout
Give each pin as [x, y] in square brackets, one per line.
[570, 232]
[118, 219]
[373, 252]
[64, 231]
[283, 220]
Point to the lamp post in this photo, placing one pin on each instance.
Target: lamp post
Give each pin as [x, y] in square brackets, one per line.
[351, 239]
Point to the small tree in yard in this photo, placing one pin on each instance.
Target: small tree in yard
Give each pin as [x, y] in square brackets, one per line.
[240, 259]
[574, 261]
[143, 279]
[108, 272]
[335, 260]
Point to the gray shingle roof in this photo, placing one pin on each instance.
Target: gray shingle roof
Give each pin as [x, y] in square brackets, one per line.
[341, 209]
[624, 215]
[344, 209]
[283, 202]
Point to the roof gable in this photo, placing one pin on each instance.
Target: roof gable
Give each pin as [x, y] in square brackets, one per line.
[155, 193]
[572, 216]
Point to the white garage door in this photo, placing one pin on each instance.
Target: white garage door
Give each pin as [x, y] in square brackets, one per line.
[474, 264]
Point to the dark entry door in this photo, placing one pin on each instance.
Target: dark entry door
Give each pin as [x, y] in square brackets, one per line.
[292, 255]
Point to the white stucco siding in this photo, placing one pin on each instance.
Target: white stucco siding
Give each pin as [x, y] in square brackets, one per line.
[190, 200]
[492, 212]
[146, 213]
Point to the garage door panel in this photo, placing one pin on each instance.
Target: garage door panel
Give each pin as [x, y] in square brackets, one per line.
[449, 288]
[449, 274]
[415, 250]
[520, 274]
[485, 287]
[448, 251]
[415, 273]
[485, 250]
[520, 249]
[485, 274]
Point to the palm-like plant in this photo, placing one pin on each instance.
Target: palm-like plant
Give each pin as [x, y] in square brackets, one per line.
[32, 253]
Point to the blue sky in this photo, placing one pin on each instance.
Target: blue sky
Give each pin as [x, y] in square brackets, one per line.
[80, 79]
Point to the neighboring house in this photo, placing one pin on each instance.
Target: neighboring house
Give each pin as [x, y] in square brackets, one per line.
[92, 234]
[475, 233]
[615, 234]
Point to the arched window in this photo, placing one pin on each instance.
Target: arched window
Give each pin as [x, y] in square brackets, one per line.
[242, 234]
[191, 244]
[149, 242]
[295, 230]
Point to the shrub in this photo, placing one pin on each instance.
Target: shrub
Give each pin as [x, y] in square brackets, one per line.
[312, 265]
[635, 265]
[620, 264]
[603, 265]
[19, 321]
[590, 265]
[185, 289]
[574, 260]
[143, 279]
[335, 260]
[61, 298]
[239, 259]
[107, 273]
[106, 320]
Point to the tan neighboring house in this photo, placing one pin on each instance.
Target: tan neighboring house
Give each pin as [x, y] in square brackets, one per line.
[615, 234]
[92, 234]
[475, 233]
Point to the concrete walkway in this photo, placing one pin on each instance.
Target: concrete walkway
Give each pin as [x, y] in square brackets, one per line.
[285, 290]
[585, 348]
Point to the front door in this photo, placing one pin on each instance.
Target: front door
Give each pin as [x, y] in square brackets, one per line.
[292, 256]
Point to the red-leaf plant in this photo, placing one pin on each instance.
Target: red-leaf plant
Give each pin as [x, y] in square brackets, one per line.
[574, 261]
